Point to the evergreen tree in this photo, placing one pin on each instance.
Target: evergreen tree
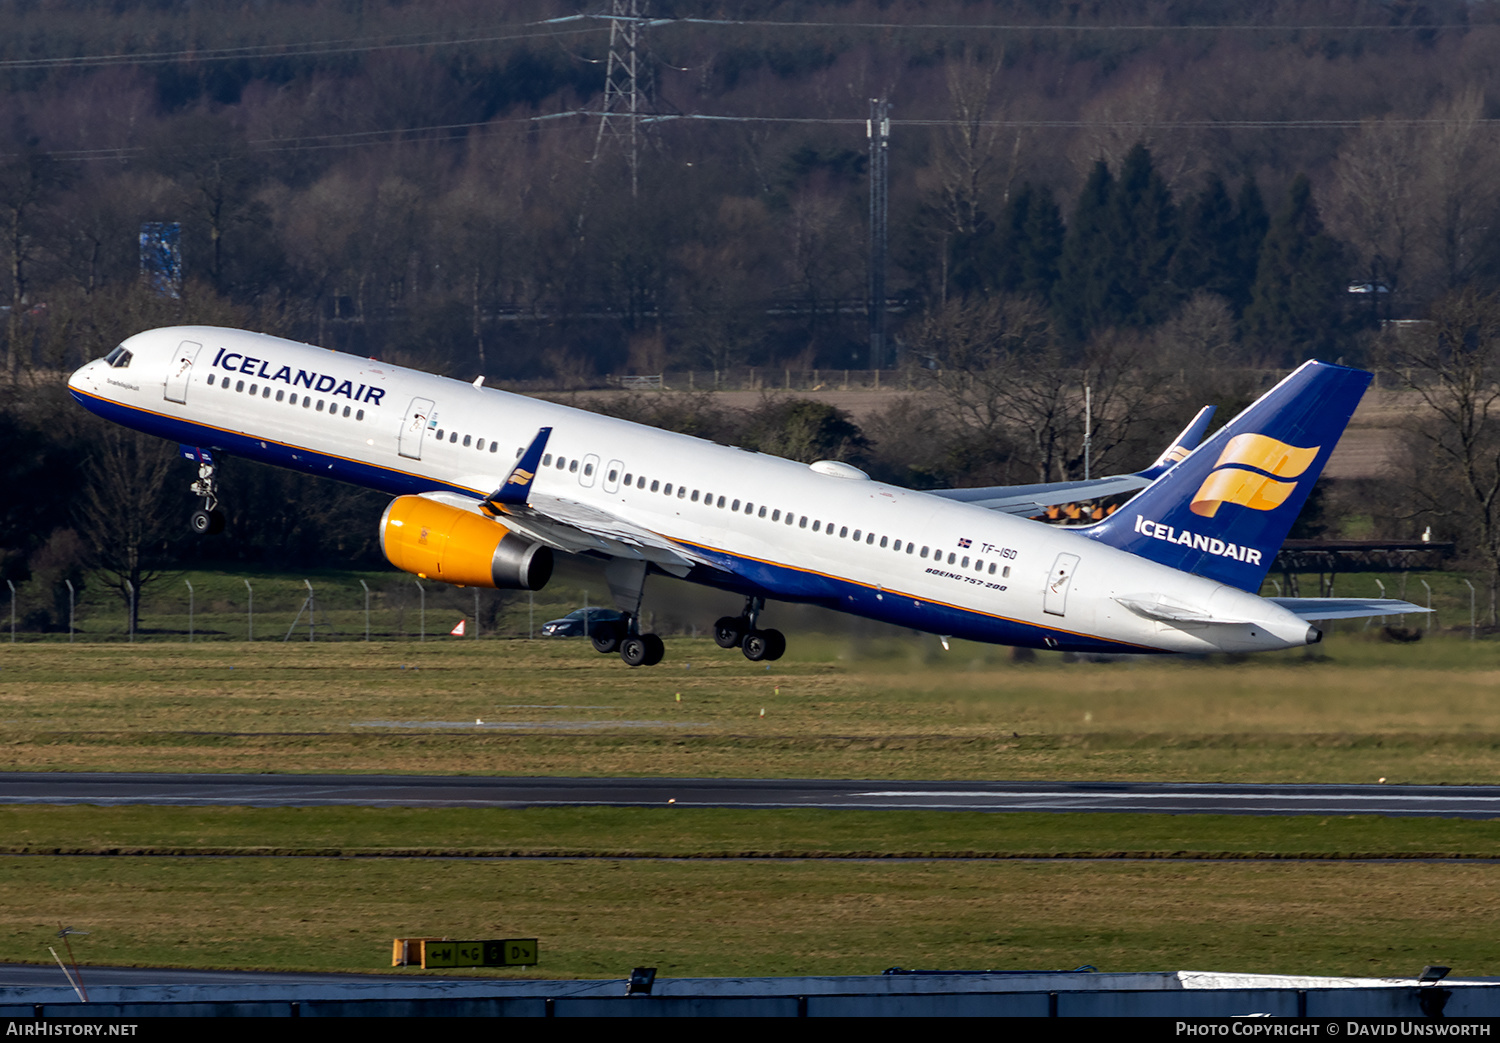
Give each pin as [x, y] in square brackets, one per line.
[1143, 230]
[1040, 246]
[1208, 256]
[1012, 245]
[1251, 224]
[1079, 300]
[1296, 305]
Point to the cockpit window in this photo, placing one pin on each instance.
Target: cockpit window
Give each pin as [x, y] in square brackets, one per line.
[119, 358]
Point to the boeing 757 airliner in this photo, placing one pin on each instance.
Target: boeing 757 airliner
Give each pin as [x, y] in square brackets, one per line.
[488, 486]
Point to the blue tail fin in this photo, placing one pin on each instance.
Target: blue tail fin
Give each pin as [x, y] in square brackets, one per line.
[1224, 511]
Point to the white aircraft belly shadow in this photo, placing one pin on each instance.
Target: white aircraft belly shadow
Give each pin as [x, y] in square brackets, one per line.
[489, 486]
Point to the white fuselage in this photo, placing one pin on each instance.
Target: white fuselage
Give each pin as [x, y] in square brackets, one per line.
[919, 560]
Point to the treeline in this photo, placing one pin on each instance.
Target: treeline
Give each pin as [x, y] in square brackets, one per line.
[377, 178]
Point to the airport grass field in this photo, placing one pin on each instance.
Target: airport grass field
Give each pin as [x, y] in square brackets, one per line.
[734, 892]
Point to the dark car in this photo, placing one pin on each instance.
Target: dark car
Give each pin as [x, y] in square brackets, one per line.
[579, 622]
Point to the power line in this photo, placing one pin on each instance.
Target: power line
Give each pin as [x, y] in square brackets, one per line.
[357, 45]
[1058, 27]
[554, 28]
[459, 131]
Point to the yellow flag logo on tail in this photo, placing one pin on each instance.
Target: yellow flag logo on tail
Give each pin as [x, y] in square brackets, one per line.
[1231, 482]
[521, 477]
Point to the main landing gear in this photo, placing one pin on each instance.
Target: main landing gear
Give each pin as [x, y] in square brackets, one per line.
[208, 520]
[627, 584]
[740, 631]
[620, 636]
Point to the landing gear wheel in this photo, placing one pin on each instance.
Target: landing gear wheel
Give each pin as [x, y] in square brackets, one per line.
[655, 649]
[206, 523]
[642, 650]
[729, 631]
[606, 637]
[775, 644]
[633, 650]
[755, 646]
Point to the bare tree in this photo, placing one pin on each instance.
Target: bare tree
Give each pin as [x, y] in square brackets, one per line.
[1453, 364]
[120, 513]
[28, 181]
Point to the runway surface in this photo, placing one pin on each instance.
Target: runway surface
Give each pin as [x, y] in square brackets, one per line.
[483, 792]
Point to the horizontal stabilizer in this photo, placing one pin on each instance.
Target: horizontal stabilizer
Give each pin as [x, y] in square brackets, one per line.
[1347, 608]
[1165, 610]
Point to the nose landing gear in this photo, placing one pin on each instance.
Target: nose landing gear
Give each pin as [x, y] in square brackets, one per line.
[208, 520]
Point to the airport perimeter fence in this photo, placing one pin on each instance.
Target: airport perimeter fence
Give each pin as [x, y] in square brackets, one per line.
[380, 607]
[208, 607]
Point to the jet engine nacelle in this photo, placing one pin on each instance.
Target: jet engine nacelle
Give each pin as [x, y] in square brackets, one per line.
[436, 541]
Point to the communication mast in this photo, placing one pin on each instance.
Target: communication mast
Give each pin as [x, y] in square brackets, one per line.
[878, 129]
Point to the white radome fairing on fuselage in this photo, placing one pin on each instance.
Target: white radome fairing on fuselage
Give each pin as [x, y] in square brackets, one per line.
[1109, 600]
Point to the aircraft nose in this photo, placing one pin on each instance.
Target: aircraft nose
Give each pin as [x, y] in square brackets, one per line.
[83, 377]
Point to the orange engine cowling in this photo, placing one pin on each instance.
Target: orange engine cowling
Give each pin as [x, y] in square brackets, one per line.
[445, 543]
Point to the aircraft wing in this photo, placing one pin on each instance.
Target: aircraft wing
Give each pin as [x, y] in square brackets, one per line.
[578, 528]
[1033, 499]
[1312, 609]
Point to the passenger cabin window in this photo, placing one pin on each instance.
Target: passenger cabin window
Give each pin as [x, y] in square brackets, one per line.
[466, 441]
[210, 376]
[573, 467]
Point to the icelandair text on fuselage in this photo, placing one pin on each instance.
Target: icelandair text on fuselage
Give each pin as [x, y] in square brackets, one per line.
[1195, 541]
[1330, 1028]
[320, 382]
